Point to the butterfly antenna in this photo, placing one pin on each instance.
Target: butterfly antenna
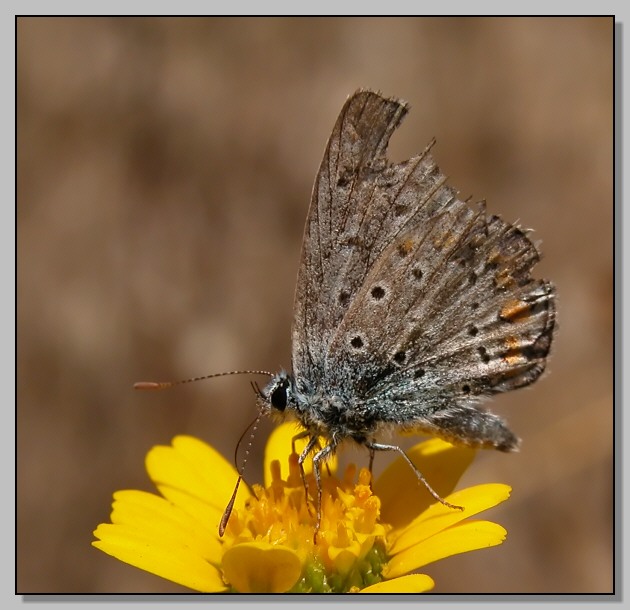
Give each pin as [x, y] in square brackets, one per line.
[162, 385]
[228, 509]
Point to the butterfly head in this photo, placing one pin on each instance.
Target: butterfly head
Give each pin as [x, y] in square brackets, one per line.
[278, 393]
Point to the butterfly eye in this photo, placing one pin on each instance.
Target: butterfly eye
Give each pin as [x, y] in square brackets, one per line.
[279, 395]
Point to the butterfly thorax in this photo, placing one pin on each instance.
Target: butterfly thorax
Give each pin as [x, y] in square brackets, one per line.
[321, 414]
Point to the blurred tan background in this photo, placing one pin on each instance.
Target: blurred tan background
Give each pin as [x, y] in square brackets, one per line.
[164, 174]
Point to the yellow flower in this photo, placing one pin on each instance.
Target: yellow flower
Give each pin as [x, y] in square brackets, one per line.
[370, 540]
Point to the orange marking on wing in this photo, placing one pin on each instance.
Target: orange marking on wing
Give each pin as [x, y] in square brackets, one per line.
[406, 247]
[515, 310]
[513, 353]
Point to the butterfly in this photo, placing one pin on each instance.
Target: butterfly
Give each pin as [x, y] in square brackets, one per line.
[411, 305]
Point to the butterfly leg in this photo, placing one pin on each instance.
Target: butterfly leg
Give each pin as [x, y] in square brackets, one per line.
[317, 471]
[372, 452]
[372, 446]
[297, 437]
[309, 447]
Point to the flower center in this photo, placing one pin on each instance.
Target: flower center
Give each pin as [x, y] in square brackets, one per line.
[347, 552]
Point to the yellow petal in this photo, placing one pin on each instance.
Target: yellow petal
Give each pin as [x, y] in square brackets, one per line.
[412, 583]
[259, 567]
[207, 517]
[280, 445]
[403, 497]
[194, 467]
[439, 517]
[177, 564]
[467, 536]
[154, 517]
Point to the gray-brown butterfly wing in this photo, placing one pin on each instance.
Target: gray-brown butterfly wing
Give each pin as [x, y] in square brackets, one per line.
[448, 314]
[347, 225]
[410, 302]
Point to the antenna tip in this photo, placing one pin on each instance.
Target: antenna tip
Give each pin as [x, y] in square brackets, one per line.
[149, 385]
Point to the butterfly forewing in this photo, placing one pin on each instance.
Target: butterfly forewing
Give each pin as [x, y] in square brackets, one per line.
[344, 224]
